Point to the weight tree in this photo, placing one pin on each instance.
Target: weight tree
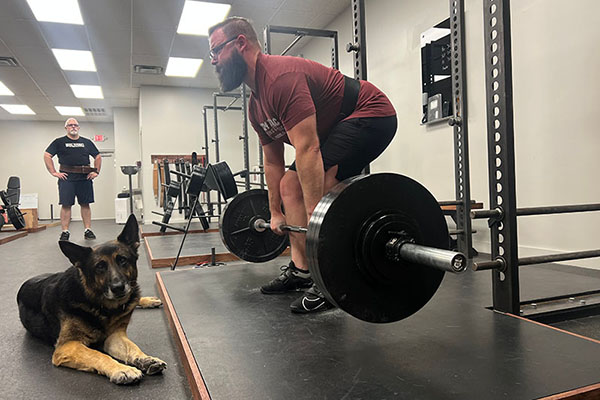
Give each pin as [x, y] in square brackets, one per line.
[503, 210]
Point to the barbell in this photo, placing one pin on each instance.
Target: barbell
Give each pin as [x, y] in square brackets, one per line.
[377, 245]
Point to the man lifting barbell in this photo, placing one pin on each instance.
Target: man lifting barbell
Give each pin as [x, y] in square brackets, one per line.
[336, 124]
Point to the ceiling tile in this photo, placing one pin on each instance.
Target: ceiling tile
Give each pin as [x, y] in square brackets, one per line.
[46, 108]
[17, 80]
[115, 14]
[109, 79]
[110, 41]
[113, 64]
[152, 42]
[14, 10]
[157, 14]
[4, 50]
[65, 36]
[189, 46]
[21, 33]
[81, 78]
[33, 100]
[60, 94]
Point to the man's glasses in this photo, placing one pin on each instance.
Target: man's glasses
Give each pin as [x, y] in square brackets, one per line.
[73, 126]
[214, 53]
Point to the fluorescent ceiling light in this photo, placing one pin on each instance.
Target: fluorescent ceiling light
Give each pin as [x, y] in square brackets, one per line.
[183, 67]
[18, 109]
[198, 16]
[75, 60]
[69, 111]
[61, 11]
[87, 91]
[4, 91]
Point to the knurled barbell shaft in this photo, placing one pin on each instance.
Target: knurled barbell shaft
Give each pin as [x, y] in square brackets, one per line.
[445, 260]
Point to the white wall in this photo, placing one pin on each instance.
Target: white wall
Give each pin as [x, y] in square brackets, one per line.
[22, 148]
[555, 59]
[171, 123]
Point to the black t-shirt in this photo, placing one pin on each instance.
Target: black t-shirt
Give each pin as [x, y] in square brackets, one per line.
[73, 152]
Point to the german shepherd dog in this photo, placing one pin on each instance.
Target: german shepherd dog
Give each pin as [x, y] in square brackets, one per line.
[89, 306]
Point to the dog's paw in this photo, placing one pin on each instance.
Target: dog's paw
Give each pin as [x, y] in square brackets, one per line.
[150, 302]
[150, 365]
[126, 376]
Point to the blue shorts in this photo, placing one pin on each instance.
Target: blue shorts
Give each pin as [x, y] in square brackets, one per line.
[67, 190]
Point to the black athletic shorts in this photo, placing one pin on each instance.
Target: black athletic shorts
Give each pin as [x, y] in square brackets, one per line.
[354, 143]
[67, 190]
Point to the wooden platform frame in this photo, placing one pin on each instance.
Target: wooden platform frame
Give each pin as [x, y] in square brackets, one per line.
[192, 372]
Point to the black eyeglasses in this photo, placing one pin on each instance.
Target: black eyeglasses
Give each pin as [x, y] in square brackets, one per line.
[214, 53]
[73, 126]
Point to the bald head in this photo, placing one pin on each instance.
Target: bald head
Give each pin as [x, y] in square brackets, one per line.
[71, 121]
[72, 127]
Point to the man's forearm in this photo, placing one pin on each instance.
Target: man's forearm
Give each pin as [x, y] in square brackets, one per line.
[49, 165]
[98, 163]
[309, 165]
[273, 175]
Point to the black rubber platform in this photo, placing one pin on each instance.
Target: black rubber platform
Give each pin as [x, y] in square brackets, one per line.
[249, 346]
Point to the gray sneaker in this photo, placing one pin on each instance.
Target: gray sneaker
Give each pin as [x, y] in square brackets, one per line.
[290, 279]
[88, 234]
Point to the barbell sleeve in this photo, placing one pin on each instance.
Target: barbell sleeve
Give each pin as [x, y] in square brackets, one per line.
[445, 260]
[260, 225]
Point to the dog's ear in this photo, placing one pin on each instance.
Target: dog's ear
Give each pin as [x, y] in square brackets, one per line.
[75, 253]
[130, 234]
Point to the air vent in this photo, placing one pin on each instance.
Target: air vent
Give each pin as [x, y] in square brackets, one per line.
[148, 69]
[8, 62]
[94, 111]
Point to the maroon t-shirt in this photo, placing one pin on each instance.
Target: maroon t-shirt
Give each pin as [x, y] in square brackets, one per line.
[290, 89]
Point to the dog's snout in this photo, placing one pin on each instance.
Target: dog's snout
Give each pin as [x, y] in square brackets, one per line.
[117, 287]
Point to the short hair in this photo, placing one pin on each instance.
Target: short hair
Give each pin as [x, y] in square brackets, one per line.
[234, 26]
[68, 119]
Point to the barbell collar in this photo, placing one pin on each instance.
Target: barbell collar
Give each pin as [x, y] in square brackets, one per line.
[445, 260]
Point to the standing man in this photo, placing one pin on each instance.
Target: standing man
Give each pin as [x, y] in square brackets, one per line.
[75, 175]
[336, 124]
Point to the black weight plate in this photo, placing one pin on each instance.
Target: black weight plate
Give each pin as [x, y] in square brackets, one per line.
[15, 217]
[225, 180]
[196, 181]
[335, 246]
[238, 236]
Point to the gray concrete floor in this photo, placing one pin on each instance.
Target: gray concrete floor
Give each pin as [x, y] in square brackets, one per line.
[26, 368]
